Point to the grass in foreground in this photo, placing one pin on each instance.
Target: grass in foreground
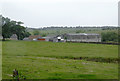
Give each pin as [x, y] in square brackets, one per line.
[0, 60]
[30, 59]
[51, 68]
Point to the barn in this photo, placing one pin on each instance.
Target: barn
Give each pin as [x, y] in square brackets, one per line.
[83, 37]
[57, 38]
[13, 37]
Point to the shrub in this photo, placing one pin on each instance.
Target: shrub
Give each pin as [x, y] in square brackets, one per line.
[109, 37]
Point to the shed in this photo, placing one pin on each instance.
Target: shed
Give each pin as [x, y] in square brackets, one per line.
[13, 37]
[83, 37]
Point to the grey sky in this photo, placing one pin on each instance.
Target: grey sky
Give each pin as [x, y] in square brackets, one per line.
[42, 13]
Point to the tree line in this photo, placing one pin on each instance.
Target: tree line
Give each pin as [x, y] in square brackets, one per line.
[10, 27]
[110, 37]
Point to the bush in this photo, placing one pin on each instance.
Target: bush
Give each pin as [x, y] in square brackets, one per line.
[109, 37]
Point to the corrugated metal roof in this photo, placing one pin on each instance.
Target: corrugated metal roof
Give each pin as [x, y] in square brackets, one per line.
[82, 34]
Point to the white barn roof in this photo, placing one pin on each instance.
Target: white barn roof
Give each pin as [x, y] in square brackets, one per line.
[82, 34]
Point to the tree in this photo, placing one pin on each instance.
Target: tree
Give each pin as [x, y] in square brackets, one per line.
[79, 31]
[43, 35]
[6, 28]
[13, 27]
[109, 36]
[20, 31]
[36, 32]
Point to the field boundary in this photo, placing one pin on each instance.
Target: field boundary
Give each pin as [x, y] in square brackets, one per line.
[94, 42]
[64, 80]
[94, 59]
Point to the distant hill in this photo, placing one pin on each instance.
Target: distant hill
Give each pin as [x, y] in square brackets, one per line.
[79, 29]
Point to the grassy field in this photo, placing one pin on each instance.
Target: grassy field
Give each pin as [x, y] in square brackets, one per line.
[42, 60]
[0, 60]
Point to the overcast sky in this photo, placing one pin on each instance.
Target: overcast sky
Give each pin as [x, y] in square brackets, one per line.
[42, 13]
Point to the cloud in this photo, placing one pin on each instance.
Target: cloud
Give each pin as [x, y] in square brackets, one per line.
[51, 1]
[38, 13]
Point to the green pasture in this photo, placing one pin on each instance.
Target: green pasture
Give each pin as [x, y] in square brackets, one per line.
[37, 60]
[0, 60]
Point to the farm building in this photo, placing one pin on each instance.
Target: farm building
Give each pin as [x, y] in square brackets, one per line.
[43, 38]
[36, 38]
[13, 37]
[82, 37]
[33, 37]
[26, 39]
[58, 38]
